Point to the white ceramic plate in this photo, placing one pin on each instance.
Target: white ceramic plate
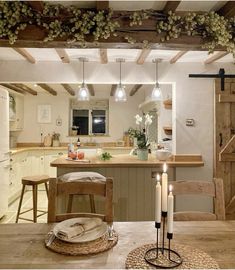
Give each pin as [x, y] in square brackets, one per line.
[87, 236]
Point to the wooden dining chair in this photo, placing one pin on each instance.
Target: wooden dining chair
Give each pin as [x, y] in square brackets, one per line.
[212, 189]
[58, 188]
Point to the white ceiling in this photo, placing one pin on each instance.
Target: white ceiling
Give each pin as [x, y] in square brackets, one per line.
[93, 55]
[138, 4]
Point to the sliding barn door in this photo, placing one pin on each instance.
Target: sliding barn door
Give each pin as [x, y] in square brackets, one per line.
[224, 153]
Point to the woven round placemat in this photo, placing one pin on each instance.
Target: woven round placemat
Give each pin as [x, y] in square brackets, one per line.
[89, 248]
[192, 258]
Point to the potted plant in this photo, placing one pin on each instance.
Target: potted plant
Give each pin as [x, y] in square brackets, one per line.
[55, 139]
[141, 135]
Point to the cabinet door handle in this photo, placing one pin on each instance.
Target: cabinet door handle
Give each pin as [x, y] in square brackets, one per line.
[60, 153]
[221, 139]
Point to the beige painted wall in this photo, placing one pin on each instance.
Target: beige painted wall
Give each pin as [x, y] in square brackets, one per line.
[193, 98]
[121, 116]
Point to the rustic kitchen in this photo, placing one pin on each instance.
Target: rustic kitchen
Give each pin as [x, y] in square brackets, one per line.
[117, 134]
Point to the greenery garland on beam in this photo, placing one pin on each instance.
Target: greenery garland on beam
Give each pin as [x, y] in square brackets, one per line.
[76, 25]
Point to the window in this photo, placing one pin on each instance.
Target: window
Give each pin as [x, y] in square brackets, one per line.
[98, 121]
[89, 118]
[81, 121]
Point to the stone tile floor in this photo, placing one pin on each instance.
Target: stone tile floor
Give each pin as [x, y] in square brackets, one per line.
[27, 203]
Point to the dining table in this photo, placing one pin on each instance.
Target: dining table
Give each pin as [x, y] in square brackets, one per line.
[22, 246]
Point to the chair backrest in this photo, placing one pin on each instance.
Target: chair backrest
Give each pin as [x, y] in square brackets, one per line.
[57, 188]
[211, 189]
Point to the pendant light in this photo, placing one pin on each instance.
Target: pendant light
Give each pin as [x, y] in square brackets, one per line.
[156, 93]
[83, 92]
[120, 93]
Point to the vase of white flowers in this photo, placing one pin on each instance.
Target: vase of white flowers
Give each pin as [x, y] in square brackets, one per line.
[141, 134]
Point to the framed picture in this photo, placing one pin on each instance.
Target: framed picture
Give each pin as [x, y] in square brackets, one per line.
[44, 114]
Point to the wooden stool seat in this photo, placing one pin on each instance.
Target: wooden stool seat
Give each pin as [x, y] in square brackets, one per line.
[33, 181]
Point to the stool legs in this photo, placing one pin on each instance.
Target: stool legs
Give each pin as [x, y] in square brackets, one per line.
[92, 203]
[70, 203]
[35, 202]
[21, 199]
[46, 186]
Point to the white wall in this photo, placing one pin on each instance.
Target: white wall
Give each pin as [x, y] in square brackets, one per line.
[193, 98]
[121, 116]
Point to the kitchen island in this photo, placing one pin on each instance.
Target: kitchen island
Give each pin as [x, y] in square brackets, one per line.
[134, 182]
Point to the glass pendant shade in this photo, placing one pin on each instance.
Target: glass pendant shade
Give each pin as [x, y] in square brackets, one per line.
[120, 93]
[156, 93]
[83, 93]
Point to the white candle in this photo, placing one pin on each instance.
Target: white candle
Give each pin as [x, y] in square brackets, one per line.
[158, 201]
[164, 188]
[170, 211]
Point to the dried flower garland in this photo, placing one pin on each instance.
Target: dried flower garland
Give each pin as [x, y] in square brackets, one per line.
[75, 25]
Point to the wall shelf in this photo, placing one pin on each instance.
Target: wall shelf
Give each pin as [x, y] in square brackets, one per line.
[168, 104]
[168, 130]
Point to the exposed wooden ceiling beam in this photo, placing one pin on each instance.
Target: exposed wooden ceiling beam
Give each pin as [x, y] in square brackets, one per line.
[25, 54]
[91, 89]
[69, 89]
[37, 5]
[143, 55]
[63, 55]
[215, 57]
[25, 88]
[177, 56]
[47, 88]
[228, 10]
[103, 56]
[27, 40]
[113, 89]
[12, 87]
[100, 5]
[171, 6]
[135, 89]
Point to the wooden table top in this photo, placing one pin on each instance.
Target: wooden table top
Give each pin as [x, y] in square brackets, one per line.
[22, 245]
[131, 161]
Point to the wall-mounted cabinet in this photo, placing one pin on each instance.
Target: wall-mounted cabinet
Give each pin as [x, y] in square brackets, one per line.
[16, 108]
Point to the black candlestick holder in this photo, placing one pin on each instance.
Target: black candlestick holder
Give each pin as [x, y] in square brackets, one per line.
[161, 256]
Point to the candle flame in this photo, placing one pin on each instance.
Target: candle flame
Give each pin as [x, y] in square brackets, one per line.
[158, 177]
[164, 167]
[170, 188]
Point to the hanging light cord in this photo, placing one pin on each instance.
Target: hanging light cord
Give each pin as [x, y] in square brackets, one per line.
[120, 72]
[83, 72]
[156, 73]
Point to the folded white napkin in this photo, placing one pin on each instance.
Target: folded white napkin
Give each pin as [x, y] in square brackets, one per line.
[78, 228]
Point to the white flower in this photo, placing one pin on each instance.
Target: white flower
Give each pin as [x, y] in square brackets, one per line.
[138, 120]
[148, 120]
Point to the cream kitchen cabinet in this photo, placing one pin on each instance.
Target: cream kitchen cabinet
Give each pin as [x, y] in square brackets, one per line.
[20, 165]
[49, 156]
[17, 122]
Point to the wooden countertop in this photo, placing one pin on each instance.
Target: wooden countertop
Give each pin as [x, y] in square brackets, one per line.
[22, 245]
[64, 148]
[130, 161]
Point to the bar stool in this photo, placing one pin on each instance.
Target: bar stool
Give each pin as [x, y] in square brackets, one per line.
[33, 181]
[82, 177]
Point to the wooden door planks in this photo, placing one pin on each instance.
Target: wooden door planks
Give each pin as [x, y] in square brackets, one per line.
[224, 126]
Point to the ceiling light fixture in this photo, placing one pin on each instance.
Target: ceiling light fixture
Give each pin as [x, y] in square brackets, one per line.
[156, 93]
[83, 92]
[120, 93]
